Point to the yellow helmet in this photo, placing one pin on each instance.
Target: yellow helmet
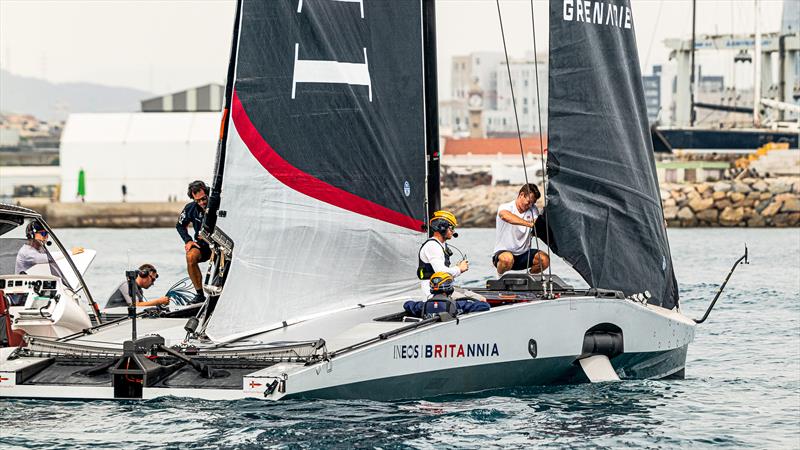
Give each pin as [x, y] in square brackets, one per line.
[442, 220]
[446, 215]
[441, 282]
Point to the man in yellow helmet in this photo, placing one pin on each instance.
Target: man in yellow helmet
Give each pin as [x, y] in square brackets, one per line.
[434, 255]
[441, 301]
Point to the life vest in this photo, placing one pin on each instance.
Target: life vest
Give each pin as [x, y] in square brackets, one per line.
[425, 270]
[439, 304]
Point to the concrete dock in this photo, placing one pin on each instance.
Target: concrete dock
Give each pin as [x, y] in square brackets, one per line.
[106, 215]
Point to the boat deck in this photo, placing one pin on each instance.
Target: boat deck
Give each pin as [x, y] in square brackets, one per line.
[339, 330]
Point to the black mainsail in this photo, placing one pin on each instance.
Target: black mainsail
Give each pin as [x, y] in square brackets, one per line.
[325, 165]
[604, 208]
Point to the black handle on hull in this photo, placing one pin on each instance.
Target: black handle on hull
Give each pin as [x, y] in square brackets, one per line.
[716, 297]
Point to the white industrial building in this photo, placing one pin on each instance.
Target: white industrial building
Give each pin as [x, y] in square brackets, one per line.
[16, 180]
[154, 154]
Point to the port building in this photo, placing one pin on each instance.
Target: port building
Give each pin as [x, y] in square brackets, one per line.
[154, 153]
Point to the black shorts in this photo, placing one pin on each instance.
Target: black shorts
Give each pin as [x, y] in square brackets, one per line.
[205, 250]
[521, 262]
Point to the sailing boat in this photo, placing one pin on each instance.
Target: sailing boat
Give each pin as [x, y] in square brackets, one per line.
[760, 132]
[327, 172]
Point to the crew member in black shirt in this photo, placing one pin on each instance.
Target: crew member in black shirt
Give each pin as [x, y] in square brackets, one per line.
[197, 250]
[145, 278]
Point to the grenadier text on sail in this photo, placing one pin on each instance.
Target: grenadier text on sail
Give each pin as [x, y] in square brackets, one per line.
[601, 13]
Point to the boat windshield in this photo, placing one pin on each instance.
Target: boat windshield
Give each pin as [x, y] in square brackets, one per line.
[14, 246]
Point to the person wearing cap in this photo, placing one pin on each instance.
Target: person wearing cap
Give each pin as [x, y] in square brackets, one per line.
[145, 278]
[514, 222]
[33, 252]
[434, 254]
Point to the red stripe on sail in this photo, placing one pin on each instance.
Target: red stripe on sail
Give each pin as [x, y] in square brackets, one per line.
[308, 184]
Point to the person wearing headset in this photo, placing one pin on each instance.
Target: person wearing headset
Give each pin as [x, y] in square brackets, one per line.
[434, 255]
[145, 277]
[197, 250]
[33, 252]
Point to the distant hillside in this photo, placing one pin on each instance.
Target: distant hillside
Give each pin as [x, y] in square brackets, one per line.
[50, 101]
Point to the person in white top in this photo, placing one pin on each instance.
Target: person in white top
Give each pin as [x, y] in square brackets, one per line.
[434, 255]
[33, 252]
[514, 221]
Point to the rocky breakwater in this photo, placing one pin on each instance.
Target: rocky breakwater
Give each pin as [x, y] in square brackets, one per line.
[477, 206]
[748, 202]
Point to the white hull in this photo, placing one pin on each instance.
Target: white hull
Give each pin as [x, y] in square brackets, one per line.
[477, 352]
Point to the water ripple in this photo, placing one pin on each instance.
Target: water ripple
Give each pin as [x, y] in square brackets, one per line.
[742, 386]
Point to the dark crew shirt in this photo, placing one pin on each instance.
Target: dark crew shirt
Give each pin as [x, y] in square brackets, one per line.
[194, 214]
[120, 297]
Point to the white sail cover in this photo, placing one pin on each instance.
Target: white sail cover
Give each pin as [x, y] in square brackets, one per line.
[324, 168]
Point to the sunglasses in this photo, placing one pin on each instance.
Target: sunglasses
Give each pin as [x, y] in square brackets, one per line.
[153, 277]
[42, 232]
[201, 199]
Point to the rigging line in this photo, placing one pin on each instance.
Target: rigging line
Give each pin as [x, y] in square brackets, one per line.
[516, 116]
[652, 39]
[733, 29]
[541, 152]
[463, 256]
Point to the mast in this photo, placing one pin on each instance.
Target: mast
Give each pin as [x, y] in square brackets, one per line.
[691, 77]
[757, 76]
[210, 221]
[431, 106]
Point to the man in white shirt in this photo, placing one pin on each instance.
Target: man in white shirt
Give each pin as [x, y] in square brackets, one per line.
[514, 222]
[434, 255]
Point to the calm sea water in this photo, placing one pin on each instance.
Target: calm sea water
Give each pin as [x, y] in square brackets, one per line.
[742, 386]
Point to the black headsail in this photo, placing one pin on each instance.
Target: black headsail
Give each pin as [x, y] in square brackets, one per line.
[604, 207]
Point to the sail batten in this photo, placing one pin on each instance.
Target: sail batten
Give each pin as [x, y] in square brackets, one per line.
[604, 209]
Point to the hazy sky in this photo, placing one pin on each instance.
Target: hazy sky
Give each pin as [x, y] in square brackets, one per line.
[168, 45]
